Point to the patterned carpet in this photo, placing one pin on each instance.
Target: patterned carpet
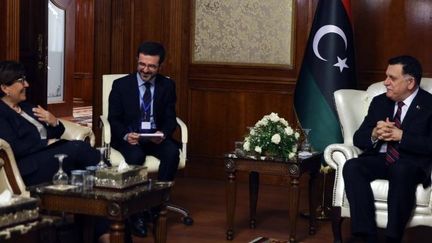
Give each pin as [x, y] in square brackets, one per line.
[83, 115]
[267, 240]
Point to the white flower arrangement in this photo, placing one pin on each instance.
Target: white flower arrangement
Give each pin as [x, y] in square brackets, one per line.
[273, 136]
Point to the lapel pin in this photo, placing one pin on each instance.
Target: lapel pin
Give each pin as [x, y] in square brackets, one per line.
[418, 107]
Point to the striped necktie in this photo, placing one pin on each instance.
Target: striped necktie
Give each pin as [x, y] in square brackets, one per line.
[147, 98]
[392, 153]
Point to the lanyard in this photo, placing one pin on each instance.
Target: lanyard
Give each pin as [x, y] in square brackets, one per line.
[146, 108]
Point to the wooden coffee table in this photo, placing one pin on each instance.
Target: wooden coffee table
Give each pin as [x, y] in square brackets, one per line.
[115, 205]
[41, 230]
[255, 165]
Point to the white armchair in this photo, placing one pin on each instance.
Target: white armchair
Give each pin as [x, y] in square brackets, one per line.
[151, 162]
[10, 177]
[352, 106]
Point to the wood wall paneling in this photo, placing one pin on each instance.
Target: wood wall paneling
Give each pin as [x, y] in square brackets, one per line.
[9, 28]
[386, 29]
[121, 36]
[176, 46]
[3, 31]
[149, 22]
[33, 48]
[83, 87]
[223, 116]
[102, 57]
[84, 59]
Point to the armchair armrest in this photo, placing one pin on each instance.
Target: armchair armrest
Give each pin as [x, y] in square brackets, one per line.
[106, 141]
[106, 130]
[335, 155]
[74, 131]
[184, 135]
[9, 169]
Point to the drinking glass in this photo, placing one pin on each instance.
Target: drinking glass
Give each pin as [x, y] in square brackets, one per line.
[306, 146]
[60, 177]
[101, 164]
[239, 148]
[78, 177]
[90, 179]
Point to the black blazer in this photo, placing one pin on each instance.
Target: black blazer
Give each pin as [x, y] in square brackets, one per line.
[23, 136]
[416, 143]
[124, 106]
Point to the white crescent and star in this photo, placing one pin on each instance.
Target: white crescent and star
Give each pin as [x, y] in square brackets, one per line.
[327, 29]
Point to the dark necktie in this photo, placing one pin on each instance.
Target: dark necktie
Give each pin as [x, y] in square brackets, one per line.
[392, 153]
[147, 102]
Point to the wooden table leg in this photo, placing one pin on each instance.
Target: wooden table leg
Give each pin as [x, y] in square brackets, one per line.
[231, 191]
[337, 224]
[88, 226]
[161, 227]
[117, 233]
[253, 197]
[312, 202]
[293, 207]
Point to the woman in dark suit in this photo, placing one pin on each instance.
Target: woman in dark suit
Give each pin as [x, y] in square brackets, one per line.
[34, 133]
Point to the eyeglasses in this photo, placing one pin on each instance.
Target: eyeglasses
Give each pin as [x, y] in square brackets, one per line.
[21, 80]
[152, 67]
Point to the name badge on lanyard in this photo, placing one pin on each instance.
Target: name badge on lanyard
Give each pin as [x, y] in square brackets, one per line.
[146, 125]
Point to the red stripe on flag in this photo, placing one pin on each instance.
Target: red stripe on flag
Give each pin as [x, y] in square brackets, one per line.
[347, 5]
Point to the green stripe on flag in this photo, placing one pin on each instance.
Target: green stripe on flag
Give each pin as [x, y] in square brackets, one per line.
[315, 113]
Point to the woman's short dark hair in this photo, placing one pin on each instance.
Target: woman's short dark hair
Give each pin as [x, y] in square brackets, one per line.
[153, 49]
[9, 72]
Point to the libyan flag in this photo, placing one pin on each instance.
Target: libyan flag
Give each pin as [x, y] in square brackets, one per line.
[328, 65]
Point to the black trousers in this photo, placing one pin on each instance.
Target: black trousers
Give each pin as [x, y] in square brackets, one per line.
[167, 152]
[403, 177]
[79, 155]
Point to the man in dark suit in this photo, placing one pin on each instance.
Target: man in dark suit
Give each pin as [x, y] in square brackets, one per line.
[396, 137]
[129, 116]
[144, 102]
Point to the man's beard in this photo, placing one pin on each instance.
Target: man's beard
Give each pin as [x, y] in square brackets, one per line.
[146, 76]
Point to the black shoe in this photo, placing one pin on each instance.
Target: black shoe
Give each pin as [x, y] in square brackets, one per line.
[392, 240]
[138, 226]
[367, 238]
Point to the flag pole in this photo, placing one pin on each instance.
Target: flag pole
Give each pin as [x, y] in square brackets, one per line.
[323, 211]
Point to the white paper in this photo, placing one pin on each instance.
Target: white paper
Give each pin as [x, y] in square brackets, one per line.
[151, 135]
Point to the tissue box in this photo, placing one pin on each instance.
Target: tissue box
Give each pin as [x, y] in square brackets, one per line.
[21, 209]
[113, 178]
